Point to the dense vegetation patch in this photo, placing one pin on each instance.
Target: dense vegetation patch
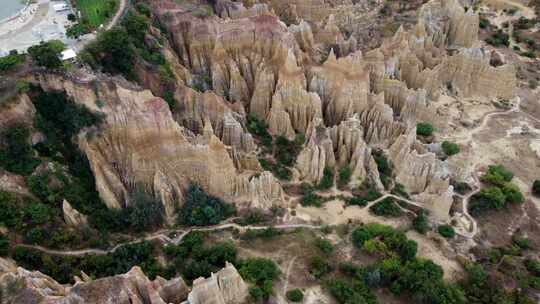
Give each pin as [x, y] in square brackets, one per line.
[295, 295]
[47, 54]
[499, 193]
[387, 208]
[261, 273]
[193, 259]
[17, 155]
[420, 223]
[424, 129]
[447, 231]
[203, 209]
[63, 268]
[11, 61]
[450, 148]
[385, 168]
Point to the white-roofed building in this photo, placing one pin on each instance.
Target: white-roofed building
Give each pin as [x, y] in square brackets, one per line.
[68, 54]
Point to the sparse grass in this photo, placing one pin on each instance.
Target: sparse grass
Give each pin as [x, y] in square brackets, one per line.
[96, 12]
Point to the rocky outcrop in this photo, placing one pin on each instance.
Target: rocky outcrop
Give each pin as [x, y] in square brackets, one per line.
[72, 217]
[448, 24]
[343, 85]
[140, 144]
[224, 287]
[423, 175]
[338, 147]
[23, 286]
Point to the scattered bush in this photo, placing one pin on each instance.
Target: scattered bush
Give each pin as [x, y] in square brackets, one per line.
[387, 208]
[424, 129]
[499, 38]
[420, 223]
[484, 23]
[295, 295]
[450, 148]
[266, 233]
[447, 231]
[319, 267]
[202, 209]
[324, 245]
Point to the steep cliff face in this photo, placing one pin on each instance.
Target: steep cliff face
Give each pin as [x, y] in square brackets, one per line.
[141, 144]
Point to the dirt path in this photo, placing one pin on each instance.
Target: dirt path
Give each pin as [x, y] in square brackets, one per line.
[118, 15]
[163, 236]
[287, 274]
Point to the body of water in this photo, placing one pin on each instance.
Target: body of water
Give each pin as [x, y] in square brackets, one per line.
[10, 7]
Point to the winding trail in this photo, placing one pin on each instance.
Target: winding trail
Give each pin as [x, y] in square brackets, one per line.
[180, 234]
[287, 274]
[162, 235]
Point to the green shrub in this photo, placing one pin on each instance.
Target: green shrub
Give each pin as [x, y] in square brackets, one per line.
[533, 266]
[499, 38]
[47, 54]
[327, 180]
[512, 194]
[497, 175]
[266, 233]
[16, 154]
[420, 223]
[487, 199]
[295, 295]
[287, 151]
[261, 272]
[11, 61]
[344, 176]
[113, 51]
[536, 188]
[259, 128]
[484, 23]
[384, 167]
[424, 129]
[447, 231]
[324, 245]
[319, 267]
[202, 209]
[4, 245]
[311, 199]
[399, 190]
[462, 188]
[387, 208]
[10, 211]
[346, 292]
[450, 148]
